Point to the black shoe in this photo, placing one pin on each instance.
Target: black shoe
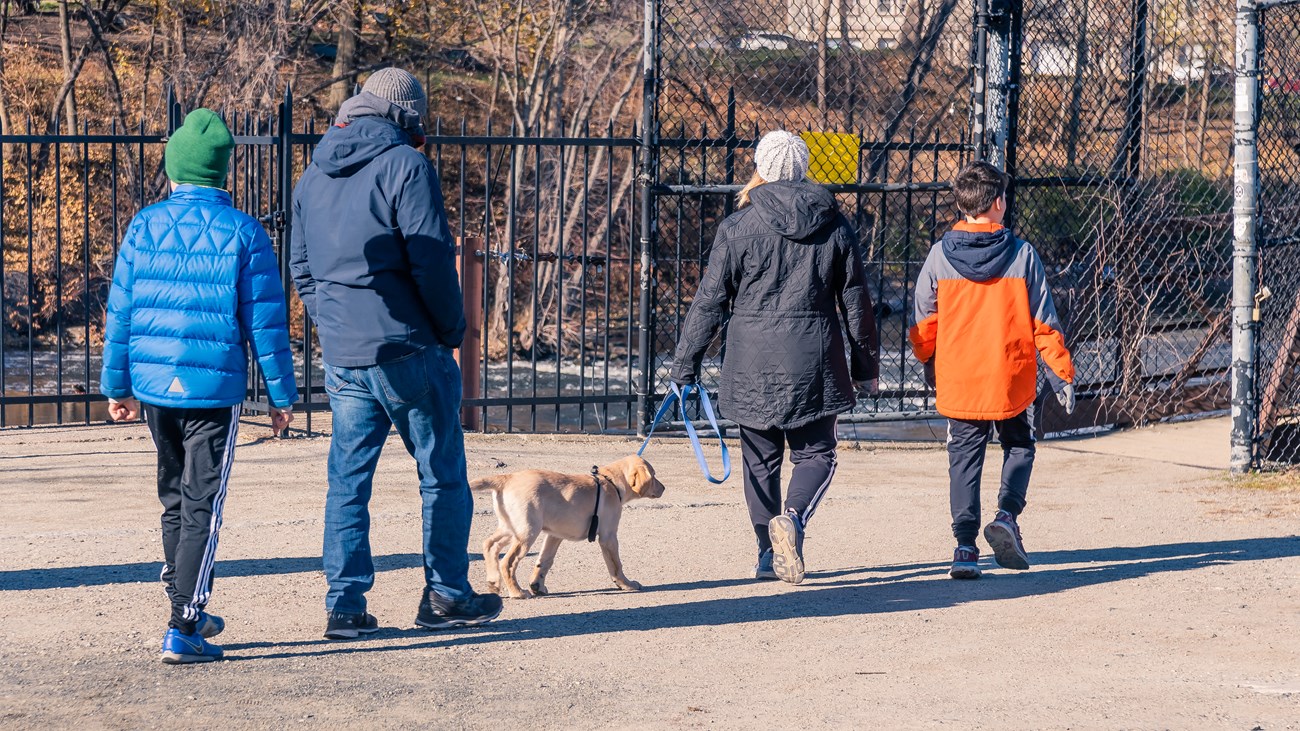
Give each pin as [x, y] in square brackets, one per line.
[439, 612]
[350, 626]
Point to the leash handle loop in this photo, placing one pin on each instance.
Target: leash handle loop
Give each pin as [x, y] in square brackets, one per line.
[679, 396]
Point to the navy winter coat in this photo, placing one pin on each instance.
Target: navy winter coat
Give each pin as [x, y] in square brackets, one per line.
[196, 280]
[372, 257]
[787, 271]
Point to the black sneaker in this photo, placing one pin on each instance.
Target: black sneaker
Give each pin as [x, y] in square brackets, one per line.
[439, 612]
[350, 626]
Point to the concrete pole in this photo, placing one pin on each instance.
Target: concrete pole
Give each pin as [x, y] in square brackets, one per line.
[1245, 192]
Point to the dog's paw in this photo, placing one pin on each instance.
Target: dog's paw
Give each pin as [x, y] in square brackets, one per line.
[538, 589]
[525, 594]
[493, 588]
[630, 586]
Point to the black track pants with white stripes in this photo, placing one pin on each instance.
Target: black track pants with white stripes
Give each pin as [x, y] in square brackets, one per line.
[195, 450]
[812, 452]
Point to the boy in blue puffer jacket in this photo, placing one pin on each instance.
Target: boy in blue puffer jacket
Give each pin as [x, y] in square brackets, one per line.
[196, 284]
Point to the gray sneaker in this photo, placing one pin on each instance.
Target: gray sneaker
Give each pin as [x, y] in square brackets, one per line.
[787, 548]
[1003, 535]
[763, 570]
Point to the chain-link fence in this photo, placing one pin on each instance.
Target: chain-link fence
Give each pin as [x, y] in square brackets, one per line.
[880, 90]
[1277, 427]
[1114, 116]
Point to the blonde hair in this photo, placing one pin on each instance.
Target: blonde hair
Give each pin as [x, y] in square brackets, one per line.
[742, 198]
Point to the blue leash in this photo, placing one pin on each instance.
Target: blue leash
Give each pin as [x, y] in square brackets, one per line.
[679, 396]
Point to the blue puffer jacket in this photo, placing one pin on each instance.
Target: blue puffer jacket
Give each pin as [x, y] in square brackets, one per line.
[196, 280]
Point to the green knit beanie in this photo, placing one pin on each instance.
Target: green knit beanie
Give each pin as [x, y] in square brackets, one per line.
[198, 153]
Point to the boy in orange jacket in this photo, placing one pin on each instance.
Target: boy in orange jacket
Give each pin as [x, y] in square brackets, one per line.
[983, 315]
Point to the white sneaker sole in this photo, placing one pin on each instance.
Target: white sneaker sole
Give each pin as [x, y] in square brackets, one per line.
[786, 561]
[175, 658]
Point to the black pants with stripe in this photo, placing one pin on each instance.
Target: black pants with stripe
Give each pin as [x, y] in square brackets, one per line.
[968, 441]
[812, 452]
[196, 448]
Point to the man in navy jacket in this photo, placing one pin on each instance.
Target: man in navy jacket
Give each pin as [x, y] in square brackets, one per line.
[196, 284]
[374, 264]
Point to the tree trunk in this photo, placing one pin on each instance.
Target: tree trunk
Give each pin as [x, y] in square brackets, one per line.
[1076, 90]
[922, 60]
[5, 125]
[114, 83]
[823, 61]
[345, 58]
[65, 45]
[1203, 111]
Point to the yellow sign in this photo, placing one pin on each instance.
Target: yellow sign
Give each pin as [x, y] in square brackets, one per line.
[834, 156]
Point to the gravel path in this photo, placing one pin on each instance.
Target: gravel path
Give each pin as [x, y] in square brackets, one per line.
[1162, 596]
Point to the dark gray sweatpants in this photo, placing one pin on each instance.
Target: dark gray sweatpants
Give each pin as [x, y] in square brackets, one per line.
[812, 452]
[967, 443]
[196, 448]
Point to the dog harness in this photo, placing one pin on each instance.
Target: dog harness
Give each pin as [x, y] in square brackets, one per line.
[595, 514]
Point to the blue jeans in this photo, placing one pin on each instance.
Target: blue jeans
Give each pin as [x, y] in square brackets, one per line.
[420, 395]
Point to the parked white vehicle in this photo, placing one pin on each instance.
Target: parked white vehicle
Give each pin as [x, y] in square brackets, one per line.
[766, 41]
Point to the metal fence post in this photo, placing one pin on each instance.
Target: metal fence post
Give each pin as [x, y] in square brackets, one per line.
[1011, 119]
[650, 51]
[1245, 190]
[997, 76]
[1128, 159]
[979, 84]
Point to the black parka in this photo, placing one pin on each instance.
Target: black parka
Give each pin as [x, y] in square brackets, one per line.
[785, 269]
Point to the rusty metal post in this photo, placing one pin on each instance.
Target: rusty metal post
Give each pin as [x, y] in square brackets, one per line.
[469, 265]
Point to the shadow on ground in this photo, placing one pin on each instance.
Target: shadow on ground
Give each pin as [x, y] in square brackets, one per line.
[842, 592]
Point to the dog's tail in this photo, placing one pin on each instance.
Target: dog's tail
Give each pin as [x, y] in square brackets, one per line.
[492, 482]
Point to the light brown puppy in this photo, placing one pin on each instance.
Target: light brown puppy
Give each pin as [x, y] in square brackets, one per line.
[535, 502]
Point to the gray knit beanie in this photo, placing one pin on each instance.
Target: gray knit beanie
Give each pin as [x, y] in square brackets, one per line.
[400, 88]
[781, 156]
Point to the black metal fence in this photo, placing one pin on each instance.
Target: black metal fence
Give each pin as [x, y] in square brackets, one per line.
[581, 254]
[545, 226]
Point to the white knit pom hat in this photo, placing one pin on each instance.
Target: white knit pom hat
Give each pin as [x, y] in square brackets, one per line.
[781, 156]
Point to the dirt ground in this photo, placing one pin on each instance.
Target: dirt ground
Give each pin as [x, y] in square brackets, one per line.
[1162, 596]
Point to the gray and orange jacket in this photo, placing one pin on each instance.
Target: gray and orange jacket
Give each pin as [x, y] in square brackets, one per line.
[983, 313]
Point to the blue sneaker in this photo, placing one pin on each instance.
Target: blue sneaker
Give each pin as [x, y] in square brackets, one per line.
[209, 625]
[763, 570]
[965, 563]
[179, 649]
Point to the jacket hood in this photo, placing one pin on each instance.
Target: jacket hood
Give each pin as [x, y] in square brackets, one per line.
[794, 210]
[980, 252]
[345, 150]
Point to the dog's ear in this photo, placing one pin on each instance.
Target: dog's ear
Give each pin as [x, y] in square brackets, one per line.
[638, 475]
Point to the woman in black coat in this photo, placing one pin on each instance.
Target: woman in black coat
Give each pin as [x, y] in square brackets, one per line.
[787, 276]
